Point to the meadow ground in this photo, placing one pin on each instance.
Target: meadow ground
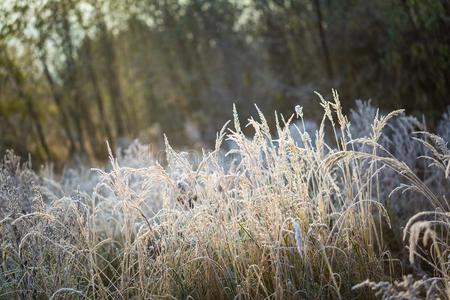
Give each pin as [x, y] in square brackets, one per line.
[357, 209]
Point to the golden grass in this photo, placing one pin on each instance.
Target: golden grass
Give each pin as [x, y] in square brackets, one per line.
[275, 221]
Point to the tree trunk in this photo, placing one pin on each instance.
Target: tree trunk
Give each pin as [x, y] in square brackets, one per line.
[98, 96]
[118, 107]
[18, 81]
[70, 83]
[323, 41]
[59, 104]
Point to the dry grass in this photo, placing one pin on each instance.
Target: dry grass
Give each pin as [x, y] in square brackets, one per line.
[271, 219]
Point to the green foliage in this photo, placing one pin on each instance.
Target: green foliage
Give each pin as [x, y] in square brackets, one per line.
[119, 69]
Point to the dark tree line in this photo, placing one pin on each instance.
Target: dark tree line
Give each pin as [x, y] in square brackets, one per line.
[76, 73]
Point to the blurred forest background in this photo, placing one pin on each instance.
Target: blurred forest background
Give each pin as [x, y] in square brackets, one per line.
[74, 73]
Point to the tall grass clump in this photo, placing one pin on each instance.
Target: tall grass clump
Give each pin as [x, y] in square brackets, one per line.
[271, 218]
